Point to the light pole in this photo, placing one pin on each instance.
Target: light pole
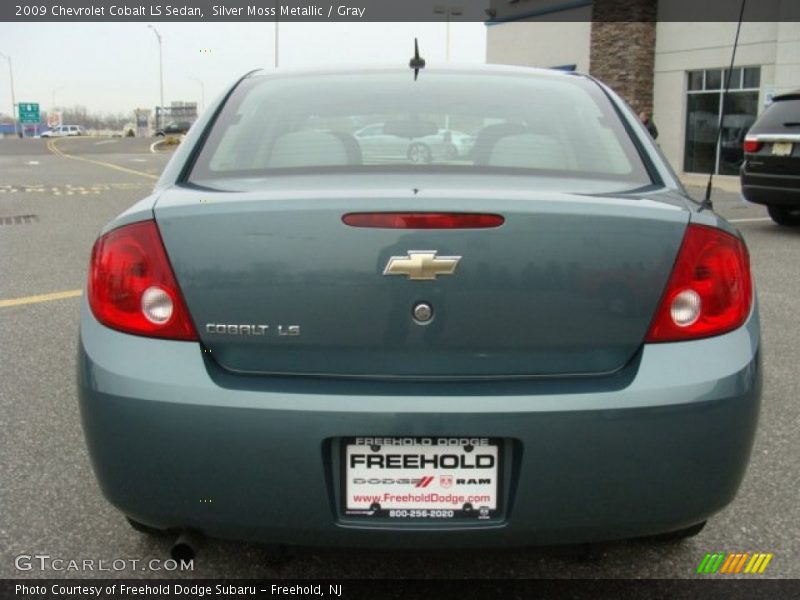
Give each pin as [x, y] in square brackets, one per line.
[202, 92]
[277, 13]
[447, 11]
[13, 100]
[51, 120]
[160, 76]
[53, 103]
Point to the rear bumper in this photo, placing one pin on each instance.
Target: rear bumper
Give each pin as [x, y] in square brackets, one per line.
[771, 190]
[177, 443]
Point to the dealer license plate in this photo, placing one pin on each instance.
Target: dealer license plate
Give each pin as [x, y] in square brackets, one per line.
[782, 149]
[421, 478]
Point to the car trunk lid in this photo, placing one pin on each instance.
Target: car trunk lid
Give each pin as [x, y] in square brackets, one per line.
[277, 283]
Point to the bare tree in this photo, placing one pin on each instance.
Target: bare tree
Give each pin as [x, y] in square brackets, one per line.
[79, 115]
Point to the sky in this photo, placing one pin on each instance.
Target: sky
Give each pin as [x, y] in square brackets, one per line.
[113, 67]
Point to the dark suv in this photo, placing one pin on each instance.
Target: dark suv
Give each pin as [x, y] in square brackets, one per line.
[174, 128]
[771, 168]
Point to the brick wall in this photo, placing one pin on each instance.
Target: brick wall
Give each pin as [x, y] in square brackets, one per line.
[623, 46]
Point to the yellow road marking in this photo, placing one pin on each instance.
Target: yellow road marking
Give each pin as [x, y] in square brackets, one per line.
[40, 298]
[51, 145]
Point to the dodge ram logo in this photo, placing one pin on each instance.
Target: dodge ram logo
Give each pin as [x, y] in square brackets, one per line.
[421, 265]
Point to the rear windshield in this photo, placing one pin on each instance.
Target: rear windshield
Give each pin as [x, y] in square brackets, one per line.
[549, 126]
[779, 116]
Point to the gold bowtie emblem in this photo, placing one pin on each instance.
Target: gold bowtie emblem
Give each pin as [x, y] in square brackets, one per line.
[421, 265]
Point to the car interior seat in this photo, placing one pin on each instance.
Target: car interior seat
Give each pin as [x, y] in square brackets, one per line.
[527, 151]
[313, 149]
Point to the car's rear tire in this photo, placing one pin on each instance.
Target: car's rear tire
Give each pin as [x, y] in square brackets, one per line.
[680, 534]
[784, 216]
[419, 153]
[142, 528]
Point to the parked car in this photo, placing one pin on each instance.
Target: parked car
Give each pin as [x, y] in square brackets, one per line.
[174, 128]
[64, 131]
[461, 143]
[379, 143]
[770, 172]
[548, 341]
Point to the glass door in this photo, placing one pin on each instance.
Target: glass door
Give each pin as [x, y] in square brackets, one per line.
[703, 108]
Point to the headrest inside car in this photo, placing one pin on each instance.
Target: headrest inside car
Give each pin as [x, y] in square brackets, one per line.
[527, 151]
[309, 149]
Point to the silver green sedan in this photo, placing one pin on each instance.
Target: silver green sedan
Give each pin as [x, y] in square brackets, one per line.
[541, 340]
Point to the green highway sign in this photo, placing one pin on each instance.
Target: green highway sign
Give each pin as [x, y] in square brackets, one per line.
[29, 112]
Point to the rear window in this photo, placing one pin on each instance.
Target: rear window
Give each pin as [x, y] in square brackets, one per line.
[555, 126]
[779, 116]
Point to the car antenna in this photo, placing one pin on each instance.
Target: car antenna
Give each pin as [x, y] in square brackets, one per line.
[706, 203]
[416, 62]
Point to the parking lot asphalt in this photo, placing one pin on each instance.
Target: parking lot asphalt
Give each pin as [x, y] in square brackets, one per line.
[52, 205]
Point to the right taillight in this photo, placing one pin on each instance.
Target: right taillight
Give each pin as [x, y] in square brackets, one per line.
[752, 145]
[710, 290]
[132, 287]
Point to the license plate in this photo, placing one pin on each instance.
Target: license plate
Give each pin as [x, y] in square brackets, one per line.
[421, 478]
[781, 149]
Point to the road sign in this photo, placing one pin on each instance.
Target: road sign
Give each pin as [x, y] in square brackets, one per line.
[29, 112]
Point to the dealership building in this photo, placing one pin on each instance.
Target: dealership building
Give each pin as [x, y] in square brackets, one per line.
[674, 69]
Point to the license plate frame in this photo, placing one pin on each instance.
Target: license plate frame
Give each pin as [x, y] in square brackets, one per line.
[465, 483]
[782, 148]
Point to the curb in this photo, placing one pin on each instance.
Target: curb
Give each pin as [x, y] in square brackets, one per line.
[725, 183]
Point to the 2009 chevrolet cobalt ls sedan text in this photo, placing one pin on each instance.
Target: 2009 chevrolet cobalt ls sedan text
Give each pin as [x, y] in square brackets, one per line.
[300, 340]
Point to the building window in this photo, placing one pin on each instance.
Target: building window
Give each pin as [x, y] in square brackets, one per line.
[704, 105]
[752, 77]
[695, 80]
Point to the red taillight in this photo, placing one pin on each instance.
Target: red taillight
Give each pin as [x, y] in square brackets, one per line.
[752, 145]
[423, 220]
[131, 285]
[710, 290]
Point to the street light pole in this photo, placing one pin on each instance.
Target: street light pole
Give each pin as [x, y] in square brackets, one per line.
[451, 11]
[447, 39]
[277, 13]
[202, 92]
[13, 100]
[53, 103]
[160, 76]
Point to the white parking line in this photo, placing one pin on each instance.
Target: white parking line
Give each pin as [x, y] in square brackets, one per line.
[754, 220]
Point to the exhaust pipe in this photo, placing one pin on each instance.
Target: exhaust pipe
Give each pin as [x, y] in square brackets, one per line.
[186, 546]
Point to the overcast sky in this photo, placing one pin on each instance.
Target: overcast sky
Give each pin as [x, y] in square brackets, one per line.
[113, 67]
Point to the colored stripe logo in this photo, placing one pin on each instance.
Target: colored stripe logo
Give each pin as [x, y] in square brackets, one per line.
[424, 482]
[752, 563]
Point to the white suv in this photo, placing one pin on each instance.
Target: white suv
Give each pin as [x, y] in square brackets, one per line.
[64, 130]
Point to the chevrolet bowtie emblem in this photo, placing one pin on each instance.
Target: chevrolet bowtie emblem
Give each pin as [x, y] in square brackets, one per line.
[421, 265]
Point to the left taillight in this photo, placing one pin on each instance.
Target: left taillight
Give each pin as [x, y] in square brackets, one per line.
[132, 287]
[752, 145]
